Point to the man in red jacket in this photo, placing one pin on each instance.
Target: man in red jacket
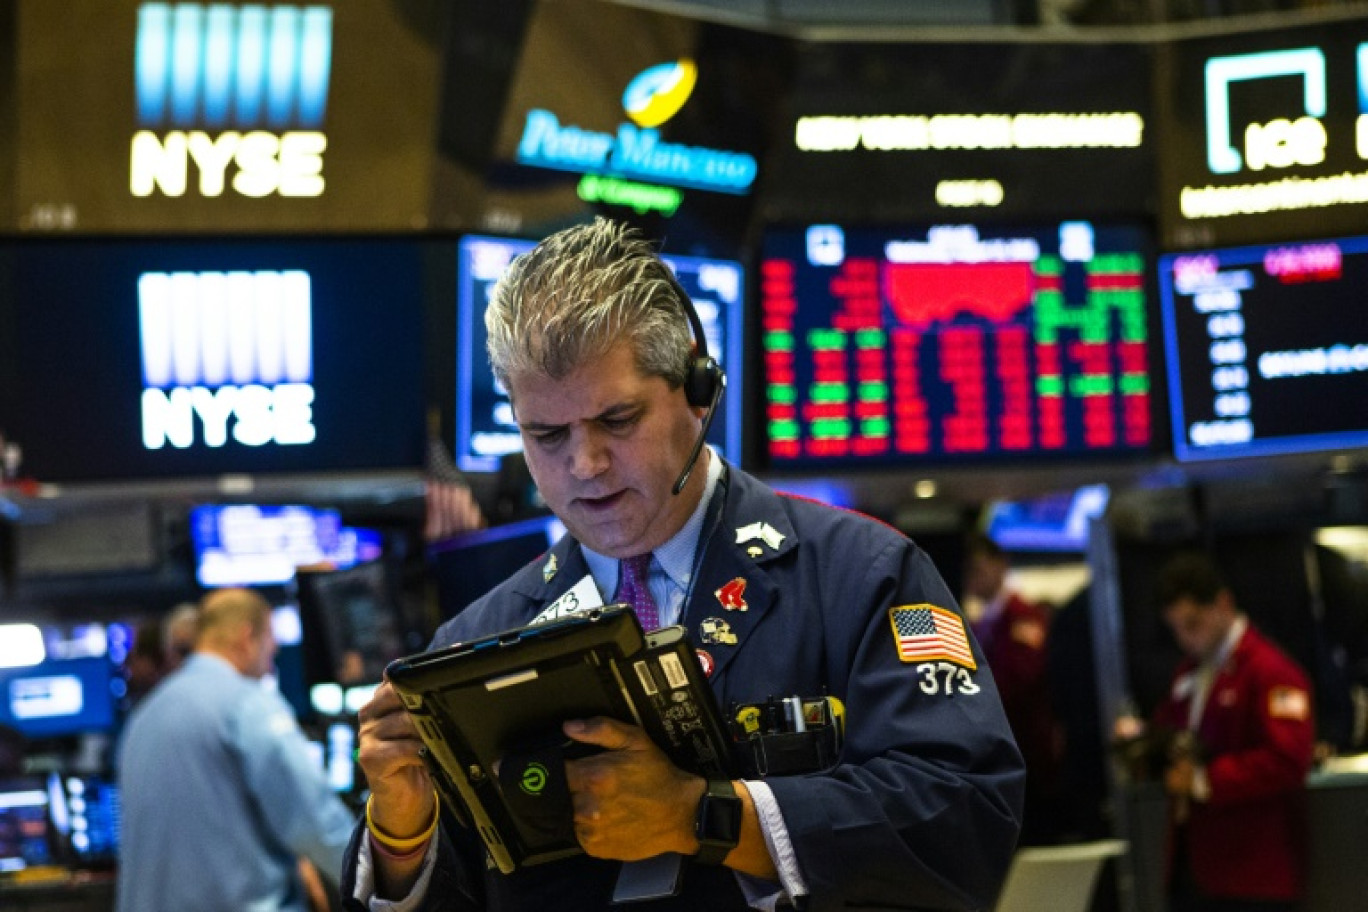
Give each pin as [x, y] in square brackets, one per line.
[1242, 713]
[1013, 633]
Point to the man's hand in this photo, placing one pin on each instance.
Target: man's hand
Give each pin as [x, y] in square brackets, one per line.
[630, 801]
[403, 801]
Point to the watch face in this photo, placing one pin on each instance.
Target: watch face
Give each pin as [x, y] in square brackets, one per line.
[719, 819]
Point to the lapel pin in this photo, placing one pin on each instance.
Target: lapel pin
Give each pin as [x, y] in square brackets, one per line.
[549, 569]
[732, 595]
[716, 632]
[761, 530]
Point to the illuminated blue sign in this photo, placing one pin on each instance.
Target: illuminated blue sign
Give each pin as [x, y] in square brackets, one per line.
[637, 151]
[218, 65]
[228, 348]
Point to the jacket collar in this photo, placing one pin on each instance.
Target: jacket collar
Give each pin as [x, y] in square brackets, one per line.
[733, 589]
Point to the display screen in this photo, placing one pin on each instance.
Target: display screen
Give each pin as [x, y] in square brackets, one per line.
[485, 428]
[172, 358]
[24, 839]
[1267, 348]
[88, 813]
[58, 697]
[352, 625]
[468, 565]
[1014, 129]
[1051, 522]
[953, 343]
[1265, 135]
[250, 545]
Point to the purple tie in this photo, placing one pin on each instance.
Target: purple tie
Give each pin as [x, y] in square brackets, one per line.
[633, 590]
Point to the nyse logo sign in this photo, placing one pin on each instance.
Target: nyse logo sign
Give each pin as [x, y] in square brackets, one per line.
[226, 353]
[239, 91]
[1281, 142]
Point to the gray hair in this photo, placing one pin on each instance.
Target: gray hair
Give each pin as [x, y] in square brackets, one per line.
[579, 293]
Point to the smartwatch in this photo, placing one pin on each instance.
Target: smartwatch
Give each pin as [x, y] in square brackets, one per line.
[717, 823]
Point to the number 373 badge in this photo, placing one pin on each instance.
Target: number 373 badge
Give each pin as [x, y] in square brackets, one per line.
[934, 639]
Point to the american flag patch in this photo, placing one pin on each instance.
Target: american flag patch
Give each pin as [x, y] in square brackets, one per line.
[926, 633]
[1289, 703]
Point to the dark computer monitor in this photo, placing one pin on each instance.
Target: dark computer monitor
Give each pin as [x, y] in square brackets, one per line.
[485, 429]
[1267, 348]
[59, 697]
[25, 838]
[954, 344]
[352, 623]
[468, 565]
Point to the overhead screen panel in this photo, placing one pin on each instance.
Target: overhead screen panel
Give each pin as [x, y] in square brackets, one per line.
[954, 344]
[485, 427]
[175, 358]
[1267, 348]
[225, 116]
[909, 131]
[1266, 136]
[664, 124]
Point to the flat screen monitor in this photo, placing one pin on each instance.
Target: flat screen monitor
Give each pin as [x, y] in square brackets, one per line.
[58, 697]
[953, 343]
[1267, 348]
[485, 429]
[352, 624]
[25, 840]
[88, 814]
[468, 565]
[255, 545]
[1055, 522]
[183, 357]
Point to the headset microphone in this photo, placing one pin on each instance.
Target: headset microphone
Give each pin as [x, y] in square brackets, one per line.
[704, 380]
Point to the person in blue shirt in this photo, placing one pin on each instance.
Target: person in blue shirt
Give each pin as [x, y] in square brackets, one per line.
[221, 799]
[589, 334]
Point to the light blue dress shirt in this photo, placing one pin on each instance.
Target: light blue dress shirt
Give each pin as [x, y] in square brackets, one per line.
[220, 798]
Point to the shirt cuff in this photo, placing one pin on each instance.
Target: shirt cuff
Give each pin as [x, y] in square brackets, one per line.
[766, 895]
[364, 892]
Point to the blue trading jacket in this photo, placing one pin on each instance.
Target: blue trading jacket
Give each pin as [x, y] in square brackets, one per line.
[924, 808]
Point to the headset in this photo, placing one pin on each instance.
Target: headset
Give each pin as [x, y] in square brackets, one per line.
[704, 379]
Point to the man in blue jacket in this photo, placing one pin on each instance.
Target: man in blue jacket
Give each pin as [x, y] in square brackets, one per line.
[590, 335]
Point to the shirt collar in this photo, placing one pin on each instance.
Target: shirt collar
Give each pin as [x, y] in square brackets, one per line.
[1232, 639]
[676, 556]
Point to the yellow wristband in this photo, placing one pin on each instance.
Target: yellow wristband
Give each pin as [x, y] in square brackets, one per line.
[413, 842]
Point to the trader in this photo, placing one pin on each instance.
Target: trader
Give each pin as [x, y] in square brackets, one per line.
[221, 800]
[589, 332]
[1236, 780]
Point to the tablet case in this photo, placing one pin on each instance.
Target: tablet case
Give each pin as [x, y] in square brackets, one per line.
[476, 702]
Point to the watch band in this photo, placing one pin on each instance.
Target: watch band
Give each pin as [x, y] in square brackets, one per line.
[717, 823]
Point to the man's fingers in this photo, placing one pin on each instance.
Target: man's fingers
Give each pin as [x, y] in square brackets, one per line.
[604, 732]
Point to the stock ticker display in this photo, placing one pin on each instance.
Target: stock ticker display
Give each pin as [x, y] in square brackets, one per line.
[1267, 348]
[953, 343]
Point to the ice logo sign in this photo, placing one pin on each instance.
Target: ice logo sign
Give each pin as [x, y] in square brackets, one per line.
[1281, 142]
[239, 91]
[226, 354]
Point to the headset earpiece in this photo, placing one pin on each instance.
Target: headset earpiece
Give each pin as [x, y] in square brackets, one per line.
[700, 383]
[703, 375]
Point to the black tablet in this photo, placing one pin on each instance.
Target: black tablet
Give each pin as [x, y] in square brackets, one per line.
[475, 703]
